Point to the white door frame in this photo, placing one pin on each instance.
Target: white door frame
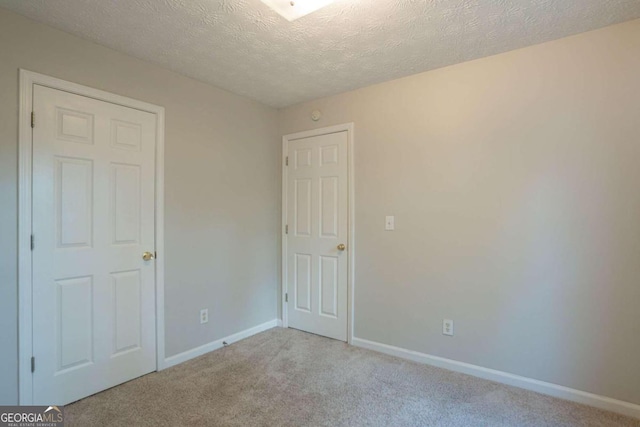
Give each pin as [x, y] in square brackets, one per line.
[348, 127]
[25, 137]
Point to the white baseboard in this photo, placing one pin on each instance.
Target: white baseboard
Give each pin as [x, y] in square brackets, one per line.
[215, 345]
[550, 389]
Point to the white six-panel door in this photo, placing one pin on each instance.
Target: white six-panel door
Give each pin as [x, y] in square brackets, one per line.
[317, 219]
[93, 217]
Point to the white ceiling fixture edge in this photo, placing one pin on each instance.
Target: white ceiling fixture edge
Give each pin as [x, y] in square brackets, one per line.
[294, 9]
[245, 47]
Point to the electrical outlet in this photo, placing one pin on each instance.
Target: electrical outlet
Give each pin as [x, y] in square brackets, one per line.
[390, 223]
[204, 315]
[447, 327]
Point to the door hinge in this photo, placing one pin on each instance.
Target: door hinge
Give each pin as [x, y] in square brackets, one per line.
[33, 364]
[33, 242]
[286, 229]
[286, 162]
[33, 119]
[286, 297]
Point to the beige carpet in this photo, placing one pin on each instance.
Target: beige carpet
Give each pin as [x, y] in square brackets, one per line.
[284, 377]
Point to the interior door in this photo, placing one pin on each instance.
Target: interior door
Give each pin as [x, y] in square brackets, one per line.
[317, 221]
[93, 217]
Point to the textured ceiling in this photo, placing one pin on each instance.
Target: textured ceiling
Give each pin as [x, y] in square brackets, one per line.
[245, 47]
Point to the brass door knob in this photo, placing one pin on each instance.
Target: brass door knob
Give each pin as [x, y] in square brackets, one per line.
[148, 256]
[341, 247]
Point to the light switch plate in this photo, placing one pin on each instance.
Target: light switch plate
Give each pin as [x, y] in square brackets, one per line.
[447, 327]
[390, 223]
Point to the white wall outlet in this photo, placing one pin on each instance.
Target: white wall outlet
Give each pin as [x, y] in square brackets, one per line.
[390, 223]
[204, 315]
[447, 327]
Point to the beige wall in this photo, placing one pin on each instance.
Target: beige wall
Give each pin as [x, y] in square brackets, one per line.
[514, 180]
[222, 188]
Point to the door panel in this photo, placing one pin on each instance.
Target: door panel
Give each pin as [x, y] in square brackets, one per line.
[126, 310]
[302, 288]
[73, 329]
[329, 286]
[302, 207]
[125, 203]
[74, 202]
[317, 212]
[93, 217]
[329, 206]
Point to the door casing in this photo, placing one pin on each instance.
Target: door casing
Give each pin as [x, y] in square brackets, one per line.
[349, 128]
[25, 310]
